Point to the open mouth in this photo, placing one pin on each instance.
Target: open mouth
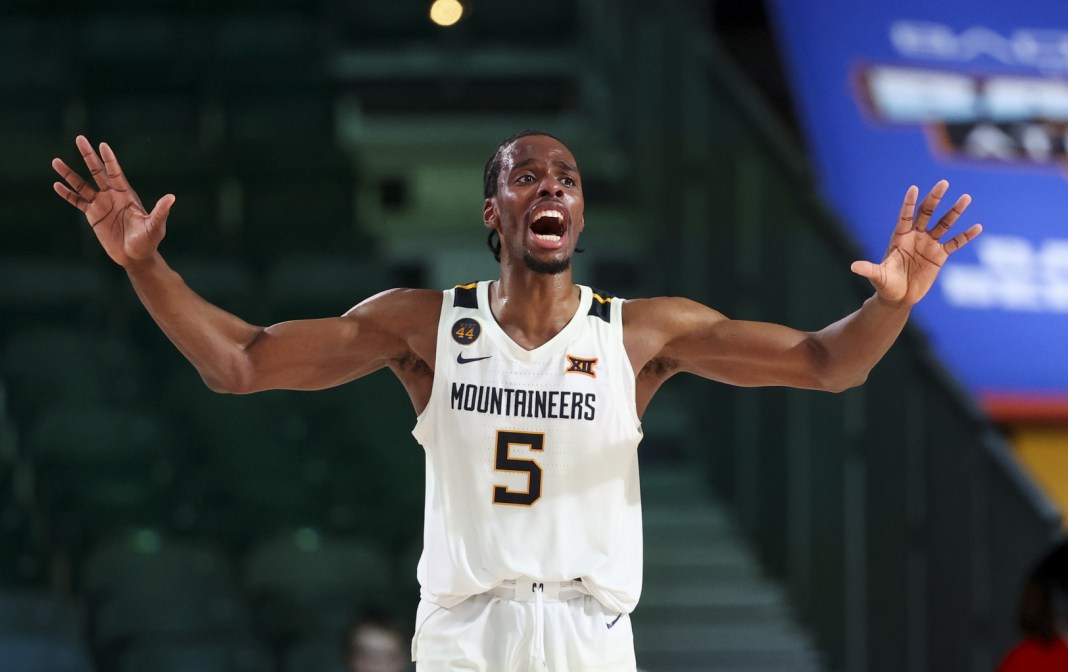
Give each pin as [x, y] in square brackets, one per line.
[548, 226]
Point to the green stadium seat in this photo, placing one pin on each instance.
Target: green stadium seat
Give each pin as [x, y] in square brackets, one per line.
[44, 653]
[324, 286]
[22, 563]
[247, 460]
[227, 282]
[291, 119]
[38, 611]
[39, 291]
[320, 654]
[374, 457]
[303, 581]
[146, 560]
[266, 49]
[99, 469]
[39, 48]
[166, 613]
[146, 130]
[306, 213]
[407, 564]
[36, 221]
[125, 47]
[45, 365]
[201, 655]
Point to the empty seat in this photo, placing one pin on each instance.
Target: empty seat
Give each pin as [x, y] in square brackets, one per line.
[22, 562]
[304, 581]
[248, 462]
[166, 614]
[319, 654]
[302, 214]
[265, 50]
[54, 365]
[96, 439]
[374, 457]
[324, 286]
[227, 283]
[38, 48]
[308, 564]
[98, 469]
[36, 222]
[51, 284]
[146, 127]
[42, 291]
[199, 655]
[290, 121]
[125, 47]
[145, 560]
[38, 611]
[43, 653]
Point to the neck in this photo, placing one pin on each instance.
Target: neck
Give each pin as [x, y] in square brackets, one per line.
[532, 307]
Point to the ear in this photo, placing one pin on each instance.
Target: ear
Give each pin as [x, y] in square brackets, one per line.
[489, 213]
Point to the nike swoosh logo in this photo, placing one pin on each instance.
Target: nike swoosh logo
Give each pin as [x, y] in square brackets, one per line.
[614, 621]
[460, 359]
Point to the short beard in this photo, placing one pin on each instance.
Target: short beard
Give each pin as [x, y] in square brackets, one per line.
[546, 267]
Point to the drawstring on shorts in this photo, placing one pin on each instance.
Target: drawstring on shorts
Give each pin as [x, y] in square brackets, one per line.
[526, 589]
[539, 625]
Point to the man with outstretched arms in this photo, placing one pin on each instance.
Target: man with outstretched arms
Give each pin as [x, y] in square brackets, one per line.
[529, 391]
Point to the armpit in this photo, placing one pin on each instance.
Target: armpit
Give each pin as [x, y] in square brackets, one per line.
[659, 368]
[413, 365]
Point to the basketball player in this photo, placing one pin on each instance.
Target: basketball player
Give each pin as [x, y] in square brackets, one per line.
[529, 391]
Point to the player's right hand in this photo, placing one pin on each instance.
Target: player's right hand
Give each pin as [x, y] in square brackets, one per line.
[128, 233]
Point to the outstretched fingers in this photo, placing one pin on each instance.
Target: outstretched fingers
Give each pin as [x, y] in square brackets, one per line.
[950, 218]
[73, 179]
[92, 162]
[961, 239]
[70, 196]
[116, 178]
[908, 210]
[930, 204]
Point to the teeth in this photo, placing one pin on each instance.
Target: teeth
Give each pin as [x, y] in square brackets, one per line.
[547, 237]
[549, 213]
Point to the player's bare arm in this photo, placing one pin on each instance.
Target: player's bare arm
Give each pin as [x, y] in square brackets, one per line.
[394, 328]
[669, 335]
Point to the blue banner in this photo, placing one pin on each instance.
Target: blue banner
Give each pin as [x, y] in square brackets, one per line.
[910, 92]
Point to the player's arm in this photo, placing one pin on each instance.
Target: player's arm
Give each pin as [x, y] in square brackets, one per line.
[672, 335]
[230, 354]
[234, 356]
[695, 339]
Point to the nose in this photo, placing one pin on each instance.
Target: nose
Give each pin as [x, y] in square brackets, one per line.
[550, 187]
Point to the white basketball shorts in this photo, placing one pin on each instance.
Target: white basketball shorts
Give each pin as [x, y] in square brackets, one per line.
[524, 626]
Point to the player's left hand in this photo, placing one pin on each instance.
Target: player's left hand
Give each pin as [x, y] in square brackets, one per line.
[916, 253]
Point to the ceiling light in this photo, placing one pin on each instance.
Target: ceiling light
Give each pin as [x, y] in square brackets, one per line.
[446, 12]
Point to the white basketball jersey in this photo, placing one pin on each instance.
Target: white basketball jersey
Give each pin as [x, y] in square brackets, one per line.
[531, 455]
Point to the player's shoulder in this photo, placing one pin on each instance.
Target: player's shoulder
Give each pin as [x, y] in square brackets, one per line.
[662, 307]
[669, 315]
[401, 309]
[402, 298]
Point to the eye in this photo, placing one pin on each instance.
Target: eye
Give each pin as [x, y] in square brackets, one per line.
[525, 178]
[567, 181]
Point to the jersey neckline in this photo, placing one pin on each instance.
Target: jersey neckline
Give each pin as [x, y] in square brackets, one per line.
[517, 351]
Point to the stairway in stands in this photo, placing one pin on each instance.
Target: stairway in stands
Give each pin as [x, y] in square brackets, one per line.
[706, 605]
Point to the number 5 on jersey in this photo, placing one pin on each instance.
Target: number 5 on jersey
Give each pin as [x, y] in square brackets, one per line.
[505, 462]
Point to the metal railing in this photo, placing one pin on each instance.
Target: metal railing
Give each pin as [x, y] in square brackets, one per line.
[895, 512]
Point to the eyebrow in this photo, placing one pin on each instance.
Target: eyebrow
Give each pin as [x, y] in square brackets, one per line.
[563, 164]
